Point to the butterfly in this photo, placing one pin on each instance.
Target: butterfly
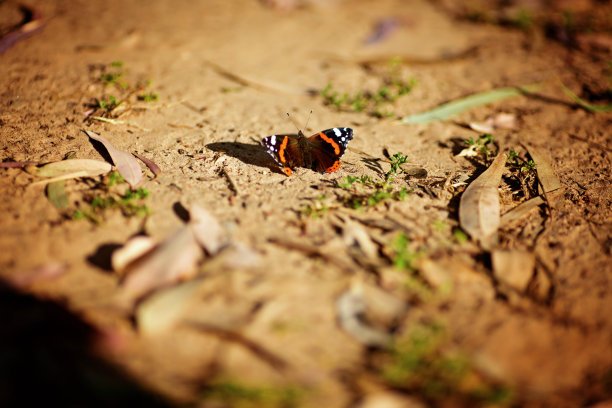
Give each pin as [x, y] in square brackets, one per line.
[321, 151]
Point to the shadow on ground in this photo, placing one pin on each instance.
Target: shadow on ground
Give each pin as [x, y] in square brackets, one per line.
[252, 154]
[48, 358]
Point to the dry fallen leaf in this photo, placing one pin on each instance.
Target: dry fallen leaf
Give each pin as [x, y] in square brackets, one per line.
[546, 175]
[434, 273]
[520, 210]
[351, 308]
[358, 241]
[514, 268]
[148, 267]
[165, 309]
[69, 169]
[126, 164]
[150, 164]
[44, 272]
[135, 248]
[552, 188]
[207, 230]
[479, 207]
[91, 167]
[171, 261]
[56, 192]
[499, 121]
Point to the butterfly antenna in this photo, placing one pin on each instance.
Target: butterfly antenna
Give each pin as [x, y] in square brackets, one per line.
[308, 120]
[293, 121]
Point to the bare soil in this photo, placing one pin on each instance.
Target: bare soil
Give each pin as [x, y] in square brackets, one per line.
[226, 73]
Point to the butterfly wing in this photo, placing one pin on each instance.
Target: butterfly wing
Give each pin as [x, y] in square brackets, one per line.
[284, 150]
[328, 146]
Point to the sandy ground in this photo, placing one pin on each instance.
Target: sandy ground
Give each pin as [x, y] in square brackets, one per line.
[270, 333]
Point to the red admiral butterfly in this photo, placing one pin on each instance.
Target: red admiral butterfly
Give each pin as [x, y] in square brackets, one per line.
[320, 152]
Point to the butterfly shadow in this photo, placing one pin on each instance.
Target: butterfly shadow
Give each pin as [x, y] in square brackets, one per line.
[249, 153]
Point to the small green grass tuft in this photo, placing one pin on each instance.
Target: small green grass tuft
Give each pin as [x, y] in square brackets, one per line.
[424, 362]
[110, 104]
[524, 171]
[480, 147]
[115, 75]
[365, 192]
[316, 210]
[130, 202]
[374, 103]
[460, 236]
[115, 178]
[396, 161]
[404, 258]
[149, 97]
[237, 395]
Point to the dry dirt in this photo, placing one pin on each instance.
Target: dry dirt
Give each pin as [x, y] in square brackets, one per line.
[226, 73]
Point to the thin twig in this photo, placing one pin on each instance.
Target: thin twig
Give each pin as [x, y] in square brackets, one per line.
[232, 336]
[119, 122]
[232, 184]
[247, 82]
[311, 250]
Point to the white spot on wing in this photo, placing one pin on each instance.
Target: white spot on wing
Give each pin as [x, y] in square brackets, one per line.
[337, 132]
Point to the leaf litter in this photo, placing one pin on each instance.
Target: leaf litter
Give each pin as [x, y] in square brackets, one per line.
[69, 169]
[351, 307]
[150, 164]
[147, 266]
[501, 120]
[187, 291]
[552, 189]
[126, 164]
[479, 207]
[56, 192]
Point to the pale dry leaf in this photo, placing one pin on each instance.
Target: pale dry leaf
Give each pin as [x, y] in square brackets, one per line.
[468, 152]
[513, 267]
[356, 236]
[482, 127]
[520, 210]
[67, 176]
[239, 255]
[526, 207]
[351, 308]
[389, 399]
[44, 272]
[479, 207]
[499, 121]
[382, 306]
[126, 164]
[434, 273]
[90, 168]
[150, 164]
[164, 309]
[546, 175]
[207, 230]
[172, 260]
[135, 248]
[56, 192]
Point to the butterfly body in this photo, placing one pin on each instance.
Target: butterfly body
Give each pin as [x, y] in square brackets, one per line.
[320, 152]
